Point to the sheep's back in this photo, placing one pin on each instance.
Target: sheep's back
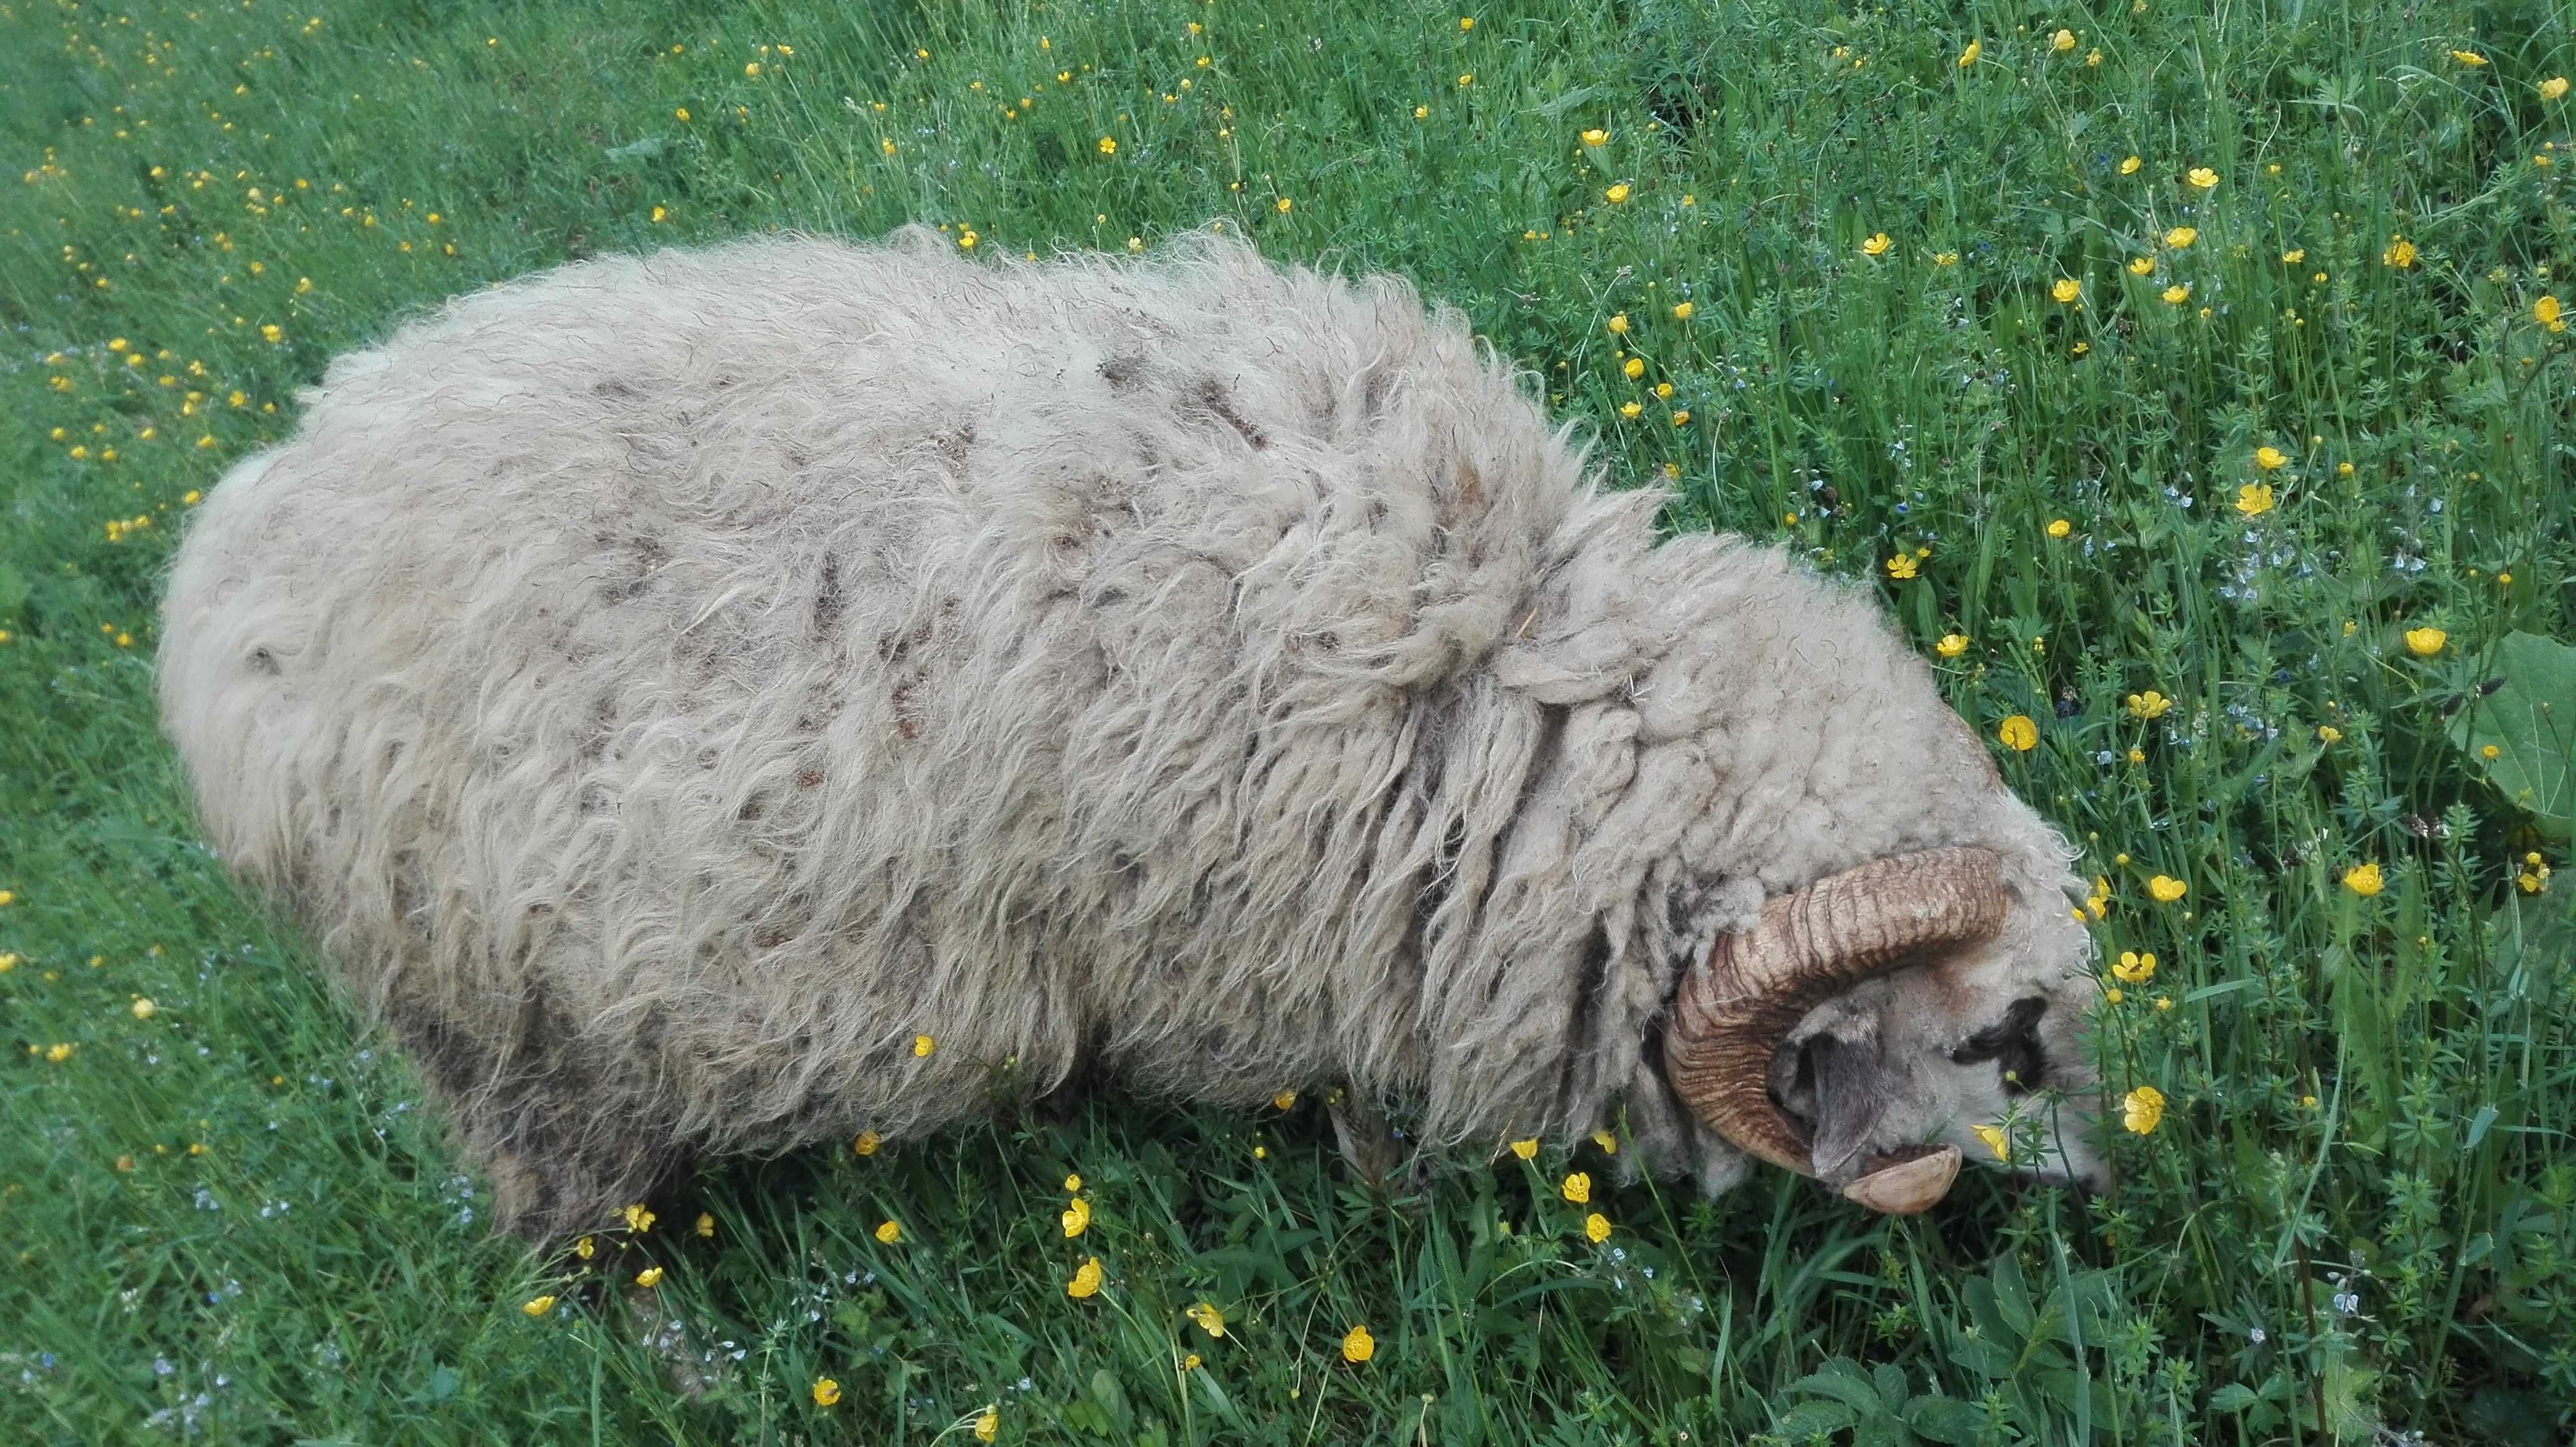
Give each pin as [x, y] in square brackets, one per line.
[687, 680]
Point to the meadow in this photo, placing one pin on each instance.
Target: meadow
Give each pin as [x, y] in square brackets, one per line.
[2188, 380]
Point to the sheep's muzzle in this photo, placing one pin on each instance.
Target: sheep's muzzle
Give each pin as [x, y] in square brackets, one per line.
[1735, 1007]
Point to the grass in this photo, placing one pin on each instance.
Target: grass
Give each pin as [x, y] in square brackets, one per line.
[230, 1220]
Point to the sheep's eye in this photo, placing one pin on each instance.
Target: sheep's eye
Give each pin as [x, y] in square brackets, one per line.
[2013, 1044]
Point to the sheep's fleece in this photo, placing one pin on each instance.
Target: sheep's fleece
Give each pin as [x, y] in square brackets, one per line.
[721, 700]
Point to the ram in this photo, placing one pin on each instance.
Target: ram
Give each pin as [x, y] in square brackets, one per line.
[720, 700]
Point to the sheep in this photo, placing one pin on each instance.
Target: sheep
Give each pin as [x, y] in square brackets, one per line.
[717, 701]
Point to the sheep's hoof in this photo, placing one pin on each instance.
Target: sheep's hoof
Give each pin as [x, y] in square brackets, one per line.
[1906, 1183]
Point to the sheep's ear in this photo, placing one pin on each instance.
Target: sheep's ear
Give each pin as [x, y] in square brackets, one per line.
[1851, 1085]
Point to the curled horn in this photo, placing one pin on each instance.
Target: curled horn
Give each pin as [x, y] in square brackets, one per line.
[1735, 1007]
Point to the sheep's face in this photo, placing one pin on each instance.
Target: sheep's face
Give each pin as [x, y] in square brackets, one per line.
[1989, 1036]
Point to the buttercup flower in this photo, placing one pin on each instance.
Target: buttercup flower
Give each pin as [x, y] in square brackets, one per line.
[1876, 245]
[2201, 177]
[2062, 42]
[1077, 1217]
[889, 1232]
[2400, 253]
[2018, 733]
[1525, 1149]
[2469, 58]
[1616, 194]
[2553, 88]
[2182, 236]
[2176, 294]
[1210, 1320]
[2142, 1108]
[922, 1045]
[539, 1305]
[2269, 458]
[826, 1391]
[1577, 1188]
[2425, 642]
[1283, 1100]
[2545, 312]
[639, 1219]
[2066, 290]
[649, 1277]
[1995, 1139]
[2165, 889]
[144, 1009]
[706, 1224]
[867, 1143]
[1086, 1280]
[1901, 567]
[2148, 705]
[1682, 311]
[1596, 1228]
[2129, 166]
[1951, 645]
[988, 1425]
[1596, 136]
[2059, 527]
[1358, 1346]
[2142, 266]
[2364, 880]
[2135, 968]
[1619, 325]
[2254, 499]
[1968, 57]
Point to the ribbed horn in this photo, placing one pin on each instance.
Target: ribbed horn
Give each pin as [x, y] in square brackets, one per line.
[1735, 1007]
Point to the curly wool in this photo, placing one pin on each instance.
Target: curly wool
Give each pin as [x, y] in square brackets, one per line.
[669, 686]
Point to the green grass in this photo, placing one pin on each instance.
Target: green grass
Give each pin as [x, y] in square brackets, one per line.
[231, 1221]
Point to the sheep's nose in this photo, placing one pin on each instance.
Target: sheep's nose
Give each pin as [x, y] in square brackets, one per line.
[1907, 1182]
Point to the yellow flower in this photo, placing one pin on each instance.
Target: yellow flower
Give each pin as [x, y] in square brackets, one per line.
[2018, 733]
[922, 1045]
[867, 1143]
[1608, 1142]
[539, 1305]
[681, 114]
[1286, 205]
[2112, 997]
[2294, 255]
[2142, 1108]
[2176, 294]
[1210, 1320]
[2553, 88]
[2400, 253]
[2093, 56]
[1634, 368]
[1901, 567]
[2468, 58]
[1077, 1217]
[1525, 1149]
[649, 1277]
[2059, 527]
[2062, 42]
[2182, 236]
[1995, 1139]
[1682, 418]
[1421, 112]
[1682, 311]
[2329, 734]
[1577, 1188]
[1072, 1184]
[2129, 167]
[1630, 410]
[889, 1232]
[2254, 499]
[706, 1224]
[1596, 1227]
[2545, 311]
[2066, 289]
[1467, 78]
[1968, 57]
[826, 1391]
[966, 239]
[1876, 245]
[2425, 642]
[2142, 266]
[2148, 705]
[584, 1247]
[59, 1053]
[1190, 1363]
[1086, 1280]
[988, 1425]
[2135, 968]
[1358, 1346]
[1951, 645]
[1595, 136]
[639, 1218]
[1619, 325]
[1616, 194]
[1283, 1100]
[2201, 177]
[144, 1009]
[1108, 145]
[1465, 22]
[2364, 880]
[2165, 889]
